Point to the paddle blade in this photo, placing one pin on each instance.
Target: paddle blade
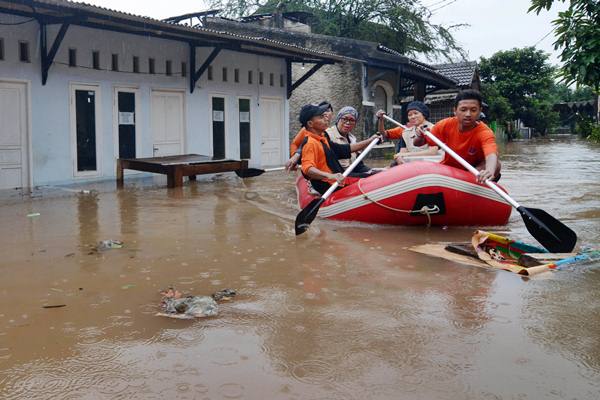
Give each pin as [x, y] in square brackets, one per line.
[555, 236]
[249, 172]
[307, 215]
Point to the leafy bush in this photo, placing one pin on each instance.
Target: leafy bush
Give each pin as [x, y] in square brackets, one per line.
[587, 128]
[595, 133]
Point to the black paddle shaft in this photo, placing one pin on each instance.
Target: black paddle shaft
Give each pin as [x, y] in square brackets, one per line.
[555, 236]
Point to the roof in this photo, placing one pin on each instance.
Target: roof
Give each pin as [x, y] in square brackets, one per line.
[462, 72]
[370, 53]
[296, 16]
[83, 14]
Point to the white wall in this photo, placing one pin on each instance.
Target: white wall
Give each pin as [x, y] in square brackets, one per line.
[50, 114]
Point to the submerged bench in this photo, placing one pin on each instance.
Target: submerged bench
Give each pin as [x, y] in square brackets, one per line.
[176, 167]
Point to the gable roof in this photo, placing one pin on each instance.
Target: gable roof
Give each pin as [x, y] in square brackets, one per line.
[370, 53]
[462, 72]
[83, 14]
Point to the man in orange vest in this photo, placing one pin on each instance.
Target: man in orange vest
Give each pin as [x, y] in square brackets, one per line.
[319, 162]
[467, 136]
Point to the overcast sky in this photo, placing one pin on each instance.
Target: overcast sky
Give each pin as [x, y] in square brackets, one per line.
[494, 24]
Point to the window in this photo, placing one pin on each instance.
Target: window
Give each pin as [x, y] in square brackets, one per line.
[169, 68]
[209, 73]
[96, 59]
[1, 49]
[236, 75]
[281, 83]
[151, 69]
[261, 77]
[136, 64]
[115, 62]
[24, 52]
[72, 57]
[271, 79]
[183, 69]
[249, 77]
[224, 74]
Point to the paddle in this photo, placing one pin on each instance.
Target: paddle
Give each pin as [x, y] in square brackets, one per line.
[251, 172]
[550, 232]
[308, 213]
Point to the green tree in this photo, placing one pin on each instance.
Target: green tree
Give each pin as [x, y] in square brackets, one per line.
[499, 108]
[402, 25]
[578, 35]
[523, 77]
[563, 93]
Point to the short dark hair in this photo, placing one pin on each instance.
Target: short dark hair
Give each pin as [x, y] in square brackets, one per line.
[468, 94]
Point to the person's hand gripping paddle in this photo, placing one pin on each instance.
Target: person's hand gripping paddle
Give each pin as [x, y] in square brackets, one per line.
[308, 213]
[555, 236]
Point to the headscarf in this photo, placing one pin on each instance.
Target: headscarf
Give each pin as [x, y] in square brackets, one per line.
[418, 106]
[347, 110]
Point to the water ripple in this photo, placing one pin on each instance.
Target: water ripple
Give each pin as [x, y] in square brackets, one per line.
[232, 390]
[313, 372]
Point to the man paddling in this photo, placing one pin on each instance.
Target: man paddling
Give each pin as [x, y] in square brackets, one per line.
[466, 135]
[319, 161]
[342, 151]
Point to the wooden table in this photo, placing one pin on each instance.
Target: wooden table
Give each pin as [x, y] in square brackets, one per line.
[176, 167]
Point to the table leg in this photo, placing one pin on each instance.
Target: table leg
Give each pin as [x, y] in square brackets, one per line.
[119, 173]
[175, 178]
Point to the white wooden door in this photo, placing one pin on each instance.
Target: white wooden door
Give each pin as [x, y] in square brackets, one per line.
[167, 123]
[14, 148]
[271, 125]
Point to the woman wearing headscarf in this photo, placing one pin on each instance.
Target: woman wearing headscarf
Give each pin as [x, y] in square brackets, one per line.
[418, 113]
[341, 132]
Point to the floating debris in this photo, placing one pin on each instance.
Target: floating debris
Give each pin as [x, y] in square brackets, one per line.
[109, 244]
[175, 305]
[32, 215]
[55, 306]
[224, 295]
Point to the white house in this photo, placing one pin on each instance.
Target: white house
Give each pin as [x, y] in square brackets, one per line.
[81, 86]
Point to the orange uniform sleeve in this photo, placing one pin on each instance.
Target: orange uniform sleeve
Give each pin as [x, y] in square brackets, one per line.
[297, 142]
[309, 156]
[394, 133]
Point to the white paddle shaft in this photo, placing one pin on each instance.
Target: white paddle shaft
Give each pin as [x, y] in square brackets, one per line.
[350, 168]
[462, 162]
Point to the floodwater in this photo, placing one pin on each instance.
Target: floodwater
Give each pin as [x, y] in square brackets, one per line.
[344, 311]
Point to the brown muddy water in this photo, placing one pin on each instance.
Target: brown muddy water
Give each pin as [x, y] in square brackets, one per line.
[342, 312]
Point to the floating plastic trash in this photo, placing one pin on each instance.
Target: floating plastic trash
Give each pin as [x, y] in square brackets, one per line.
[109, 244]
[175, 305]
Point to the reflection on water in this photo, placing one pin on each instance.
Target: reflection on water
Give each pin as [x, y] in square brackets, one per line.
[342, 312]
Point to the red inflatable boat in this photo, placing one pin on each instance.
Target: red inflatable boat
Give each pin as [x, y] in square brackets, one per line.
[415, 193]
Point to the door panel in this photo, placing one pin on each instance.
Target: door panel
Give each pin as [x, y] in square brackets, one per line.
[271, 116]
[85, 120]
[14, 162]
[218, 127]
[167, 123]
[127, 124]
[244, 121]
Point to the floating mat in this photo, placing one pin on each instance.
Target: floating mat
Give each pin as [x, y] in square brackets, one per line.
[492, 251]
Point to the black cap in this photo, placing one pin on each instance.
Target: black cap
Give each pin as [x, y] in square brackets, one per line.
[312, 110]
[326, 103]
